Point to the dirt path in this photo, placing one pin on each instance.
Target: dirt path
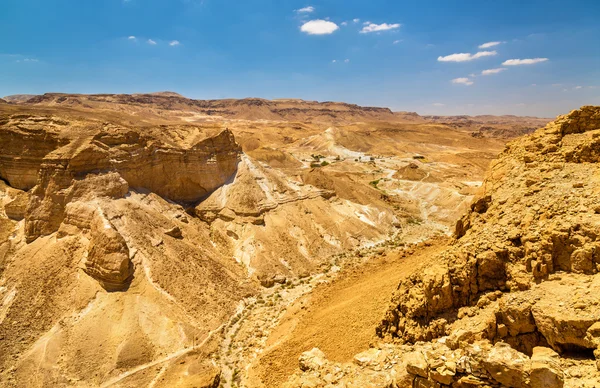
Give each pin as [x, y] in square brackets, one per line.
[338, 317]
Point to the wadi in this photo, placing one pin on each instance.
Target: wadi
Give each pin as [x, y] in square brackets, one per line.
[160, 241]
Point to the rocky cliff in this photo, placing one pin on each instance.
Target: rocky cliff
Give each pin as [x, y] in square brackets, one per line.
[94, 203]
[514, 301]
[57, 155]
[537, 215]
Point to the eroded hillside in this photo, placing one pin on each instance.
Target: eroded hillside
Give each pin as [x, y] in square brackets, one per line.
[514, 301]
[139, 233]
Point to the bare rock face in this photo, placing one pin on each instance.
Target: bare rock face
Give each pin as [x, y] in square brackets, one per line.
[25, 141]
[535, 216]
[480, 364]
[64, 159]
[108, 258]
[545, 369]
[15, 209]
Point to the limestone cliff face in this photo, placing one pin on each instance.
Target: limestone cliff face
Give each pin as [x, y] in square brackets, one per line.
[529, 247]
[54, 157]
[94, 203]
[24, 142]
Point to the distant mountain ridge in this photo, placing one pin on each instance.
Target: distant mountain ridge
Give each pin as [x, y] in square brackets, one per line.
[287, 109]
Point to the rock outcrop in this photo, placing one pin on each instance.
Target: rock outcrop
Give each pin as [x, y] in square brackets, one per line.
[99, 260]
[436, 365]
[55, 156]
[537, 215]
[514, 301]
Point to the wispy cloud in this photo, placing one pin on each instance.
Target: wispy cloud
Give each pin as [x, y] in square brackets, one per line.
[529, 61]
[334, 61]
[131, 37]
[493, 71]
[344, 23]
[29, 60]
[372, 27]
[150, 41]
[464, 57]
[356, 20]
[308, 9]
[489, 44]
[462, 81]
[397, 41]
[578, 87]
[319, 27]
[174, 43]
[438, 104]
[346, 60]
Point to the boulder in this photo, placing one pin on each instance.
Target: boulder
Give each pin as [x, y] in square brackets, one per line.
[416, 364]
[312, 360]
[368, 357]
[507, 366]
[108, 259]
[566, 310]
[174, 232]
[545, 371]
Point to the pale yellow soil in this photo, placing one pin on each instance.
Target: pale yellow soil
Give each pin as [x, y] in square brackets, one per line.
[338, 317]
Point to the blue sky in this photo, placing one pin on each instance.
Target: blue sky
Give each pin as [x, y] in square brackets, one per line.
[397, 54]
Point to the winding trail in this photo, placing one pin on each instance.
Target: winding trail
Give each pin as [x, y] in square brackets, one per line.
[168, 357]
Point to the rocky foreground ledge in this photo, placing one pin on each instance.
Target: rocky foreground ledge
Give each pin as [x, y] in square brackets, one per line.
[515, 302]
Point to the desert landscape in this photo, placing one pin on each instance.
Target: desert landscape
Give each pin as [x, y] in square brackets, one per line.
[154, 240]
[292, 194]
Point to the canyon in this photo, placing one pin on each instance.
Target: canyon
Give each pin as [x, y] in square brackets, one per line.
[155, 240]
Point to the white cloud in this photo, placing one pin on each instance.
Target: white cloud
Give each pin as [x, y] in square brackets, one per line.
[344, 23]
[438, 104]
[308, 9]
[489, 44]
[319, 27]
[26, 60]
[174, 43]
[347, 60]
[397, 41]
[132, 37]
[150, 41]
[578, 87]
[334, 61]
[356, 20]
[462, 81]
[516, 62]
[464, 57]
[372, 27]
[492, 71]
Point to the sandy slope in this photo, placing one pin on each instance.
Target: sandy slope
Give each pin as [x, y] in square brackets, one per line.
[337, 317]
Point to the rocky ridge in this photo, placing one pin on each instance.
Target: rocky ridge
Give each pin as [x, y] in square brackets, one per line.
[248, 108]
[514, 302]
